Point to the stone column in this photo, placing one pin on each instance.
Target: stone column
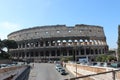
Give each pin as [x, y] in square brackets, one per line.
[29, 54]
[67, 52]
[25, 45]
[94, 42]
[43, 43]
[25, 55]
[55, 42]
[49, 54]
[49, 43]
[94, 51]
[78, 42]
[18, 46]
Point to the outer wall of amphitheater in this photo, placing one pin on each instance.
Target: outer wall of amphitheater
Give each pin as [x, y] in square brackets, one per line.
[56, 41]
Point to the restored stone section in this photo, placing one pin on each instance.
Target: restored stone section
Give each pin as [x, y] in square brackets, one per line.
[56, 41]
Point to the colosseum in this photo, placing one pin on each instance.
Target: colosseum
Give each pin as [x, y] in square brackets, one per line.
[56, 41]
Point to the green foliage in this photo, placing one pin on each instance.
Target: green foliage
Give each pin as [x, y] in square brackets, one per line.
[66, 59]
[1, 44]
[105, 58]
[4, 55]
[10, 44]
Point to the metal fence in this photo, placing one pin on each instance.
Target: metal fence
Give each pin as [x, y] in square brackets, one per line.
[109, 75]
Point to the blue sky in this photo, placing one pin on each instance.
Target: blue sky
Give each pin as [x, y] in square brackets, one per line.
[20, 14]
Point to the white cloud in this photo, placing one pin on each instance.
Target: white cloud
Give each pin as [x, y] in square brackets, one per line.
[6, 28]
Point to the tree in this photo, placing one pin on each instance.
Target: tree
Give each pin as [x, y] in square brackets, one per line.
[10, 44]
[101, 58]
[4, 55]
[105, 58]
[1, 46]
[66, 59]
[110, 58]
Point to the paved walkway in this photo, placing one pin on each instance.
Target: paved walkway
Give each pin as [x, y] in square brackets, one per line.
[33, 73]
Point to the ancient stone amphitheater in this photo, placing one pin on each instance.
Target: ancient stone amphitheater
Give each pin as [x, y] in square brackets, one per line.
[56, 41]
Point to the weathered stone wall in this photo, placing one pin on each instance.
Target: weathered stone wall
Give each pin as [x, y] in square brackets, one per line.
[52, 42]
[58, 31]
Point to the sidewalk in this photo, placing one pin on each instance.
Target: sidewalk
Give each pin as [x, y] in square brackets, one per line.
[32, 75]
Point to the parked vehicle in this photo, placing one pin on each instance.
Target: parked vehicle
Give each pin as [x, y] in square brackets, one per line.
[57, 66]
[62, 71]
[59, 69]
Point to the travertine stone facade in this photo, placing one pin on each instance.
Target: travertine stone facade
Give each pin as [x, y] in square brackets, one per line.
[56, 41]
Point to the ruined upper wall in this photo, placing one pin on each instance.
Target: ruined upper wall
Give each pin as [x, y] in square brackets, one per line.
[57, 31]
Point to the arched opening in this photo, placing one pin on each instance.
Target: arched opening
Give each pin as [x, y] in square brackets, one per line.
[58, 42]
[52, 43]
[46, 43]
[64, 43]
[69, 42]
[47, 53]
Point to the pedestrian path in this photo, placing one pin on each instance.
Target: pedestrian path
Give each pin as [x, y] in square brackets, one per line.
[33, 74]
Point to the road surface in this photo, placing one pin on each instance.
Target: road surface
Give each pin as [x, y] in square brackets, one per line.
[46, 71]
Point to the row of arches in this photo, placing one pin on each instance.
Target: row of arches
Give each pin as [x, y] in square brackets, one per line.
[58, 53]
[46, 43]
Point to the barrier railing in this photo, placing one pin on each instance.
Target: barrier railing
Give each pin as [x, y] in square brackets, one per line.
[24, 75]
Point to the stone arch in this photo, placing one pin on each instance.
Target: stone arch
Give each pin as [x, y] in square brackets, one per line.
[58, 42]
[47, 43]
[53, 43]
[75, 42]
[64, 42]
[90, 42]
[81, 41]
[85, 42]
[69, 42]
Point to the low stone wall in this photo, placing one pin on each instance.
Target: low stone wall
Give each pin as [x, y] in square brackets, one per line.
[9, 69]
[80, 70]
[88, 68]
[11, 72]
